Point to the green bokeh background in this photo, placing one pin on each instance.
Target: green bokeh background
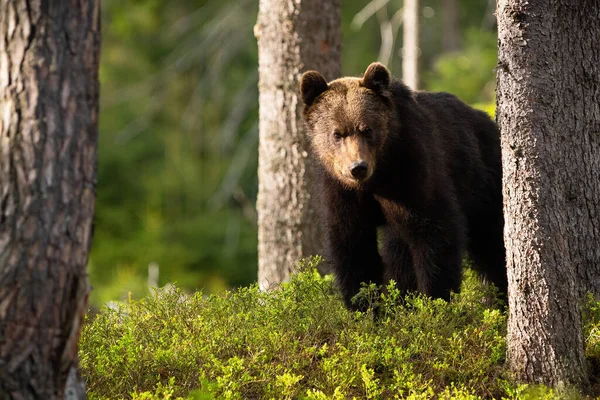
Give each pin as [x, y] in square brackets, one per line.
[177, 177]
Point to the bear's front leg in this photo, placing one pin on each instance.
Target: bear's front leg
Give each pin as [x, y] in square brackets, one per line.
[397, 260]
[351, 241]
[437, 249]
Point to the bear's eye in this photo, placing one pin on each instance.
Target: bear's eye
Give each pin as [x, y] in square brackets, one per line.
[366, 131]
[337, 135]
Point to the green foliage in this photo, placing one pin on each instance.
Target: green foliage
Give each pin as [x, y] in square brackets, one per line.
[300, 342]
[469, 73]
[177, 148]
[489, 108]
[591, 318]
[591, 332]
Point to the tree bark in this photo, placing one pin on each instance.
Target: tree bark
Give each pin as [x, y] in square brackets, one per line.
[450, 14]
[293, 36]
[49, 54]
[548, 112]
[410, 50]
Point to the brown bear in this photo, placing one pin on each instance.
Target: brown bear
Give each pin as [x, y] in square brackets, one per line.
[424, 167]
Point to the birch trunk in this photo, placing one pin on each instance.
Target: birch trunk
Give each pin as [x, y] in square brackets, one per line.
[49, 55]
[548, 112]
[293, 36]
[410, 50]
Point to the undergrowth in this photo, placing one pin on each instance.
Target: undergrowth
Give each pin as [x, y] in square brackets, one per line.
[299, 342]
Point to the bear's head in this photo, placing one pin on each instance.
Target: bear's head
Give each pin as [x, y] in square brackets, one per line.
[347, 121]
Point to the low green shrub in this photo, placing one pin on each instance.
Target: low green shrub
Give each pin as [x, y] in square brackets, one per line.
[300, 342]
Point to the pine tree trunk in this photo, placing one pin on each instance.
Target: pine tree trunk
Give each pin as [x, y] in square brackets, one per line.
[548, 111]
[49, 55]
[451, 23]
[293, 36]
[410, 51]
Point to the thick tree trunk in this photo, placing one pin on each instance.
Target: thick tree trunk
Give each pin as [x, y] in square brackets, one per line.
[293, 36]
[49, 55]
[450, 16]
[548, 111]
[410, 50]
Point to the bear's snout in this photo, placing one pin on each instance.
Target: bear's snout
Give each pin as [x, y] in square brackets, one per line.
[359, 169]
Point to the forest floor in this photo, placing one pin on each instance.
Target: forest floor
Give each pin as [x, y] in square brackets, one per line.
[300, 342]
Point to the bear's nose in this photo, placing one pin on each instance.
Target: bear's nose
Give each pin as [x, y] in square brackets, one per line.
[359, 169]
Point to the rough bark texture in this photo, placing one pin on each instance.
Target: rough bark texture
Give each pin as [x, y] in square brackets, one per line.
[293, 36]
[49, 55]
[450, 18]
[549, 113]
[410, 50]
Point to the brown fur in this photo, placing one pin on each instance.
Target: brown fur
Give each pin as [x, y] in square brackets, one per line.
[356, 110]
[433, 183]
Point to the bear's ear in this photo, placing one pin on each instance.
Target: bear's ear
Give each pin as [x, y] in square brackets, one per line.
[376, 77]
[312, 84]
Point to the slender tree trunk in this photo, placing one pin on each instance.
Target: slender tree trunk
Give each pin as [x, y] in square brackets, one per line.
[450, 16]
[293, 36]
[49, 55]
[548, 111]
[489, 17]
[410, 51]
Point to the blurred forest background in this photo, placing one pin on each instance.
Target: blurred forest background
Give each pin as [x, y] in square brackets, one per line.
[177, 178]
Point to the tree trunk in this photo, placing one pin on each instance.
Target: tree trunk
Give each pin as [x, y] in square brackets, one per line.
[548, 112]
[410, 51]
[293, 36]
[451, 23]
[49, 55]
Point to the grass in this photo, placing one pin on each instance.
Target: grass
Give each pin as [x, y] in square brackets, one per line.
[300, 342]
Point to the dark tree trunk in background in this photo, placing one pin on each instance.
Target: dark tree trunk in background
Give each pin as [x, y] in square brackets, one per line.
[49, 55]
[293, 36]
[450, 17]
[549, 113]
[410, 47]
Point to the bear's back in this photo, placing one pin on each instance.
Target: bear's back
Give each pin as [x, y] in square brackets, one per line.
[471, 145]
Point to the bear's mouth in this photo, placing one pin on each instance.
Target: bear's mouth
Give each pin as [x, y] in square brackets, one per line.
[344, 174]
[356, 182]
